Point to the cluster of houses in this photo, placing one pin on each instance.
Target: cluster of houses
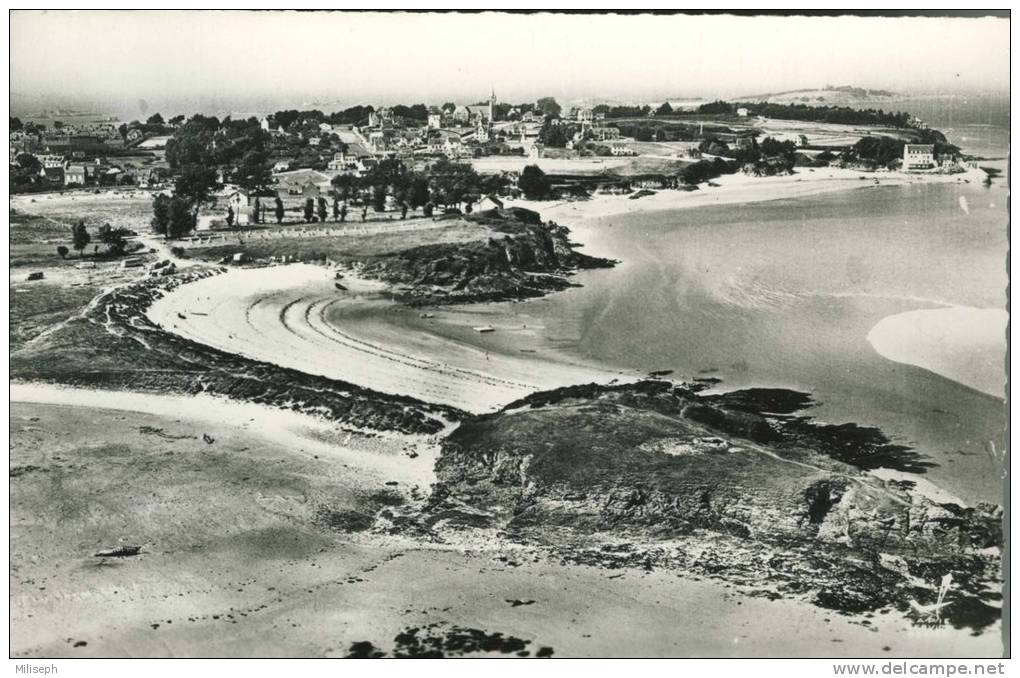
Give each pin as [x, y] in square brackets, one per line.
[452, 132]
[74, 154]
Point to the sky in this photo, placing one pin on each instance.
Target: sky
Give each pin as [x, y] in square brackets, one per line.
[137, 62]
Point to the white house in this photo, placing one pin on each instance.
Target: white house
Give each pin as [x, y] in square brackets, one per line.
[742, 112]
[239, 202]
[75, 174]
[435, 121]
[918, 156]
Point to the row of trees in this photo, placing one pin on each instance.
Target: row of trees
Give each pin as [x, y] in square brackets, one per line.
[358, 115]
[833, 114]
[771, 156]
[115, 240]
[445, 183]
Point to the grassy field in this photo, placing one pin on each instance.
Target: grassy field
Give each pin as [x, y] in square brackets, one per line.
[123, 208]
[37, 307]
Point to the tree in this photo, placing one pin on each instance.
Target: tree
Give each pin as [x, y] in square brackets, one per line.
[253, 171]
[256, 211]
[155, 119]
[877, 150]
[230, 215]
[336, 207]
[548, 106]
[309, 210]
[716, 107]
[448, 108]
[29, 163]
[62, 251]
[279, 210]
[80, 237]
[176, 120]
[322, 210]
[160, 214]
[182, 218]
[452, 181]
[379, 197]
[16, 125]
[345, 185]
[553, 133]
[418, 192]
[115, 239]
[388, 177]
[534, 183]
[664, 109]
[195, 183]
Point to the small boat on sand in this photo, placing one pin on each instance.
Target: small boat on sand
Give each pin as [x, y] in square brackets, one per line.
[484, 328]
[340, 287]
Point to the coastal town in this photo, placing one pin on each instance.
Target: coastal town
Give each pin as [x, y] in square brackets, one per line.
[531, 367]
[300, 158]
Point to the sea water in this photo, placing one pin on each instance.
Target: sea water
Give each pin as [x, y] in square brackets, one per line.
[785, 293]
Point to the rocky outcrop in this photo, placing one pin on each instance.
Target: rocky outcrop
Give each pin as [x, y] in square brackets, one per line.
[531, 261]
[657, 463]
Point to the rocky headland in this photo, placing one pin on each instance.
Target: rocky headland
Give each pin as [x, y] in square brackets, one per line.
[523, 258]
[733, 486]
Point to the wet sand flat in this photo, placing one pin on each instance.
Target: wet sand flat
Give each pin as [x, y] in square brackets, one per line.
[234, 564]
[293, 316]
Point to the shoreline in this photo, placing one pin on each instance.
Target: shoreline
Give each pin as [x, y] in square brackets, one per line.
[378, 455]
[286, 315]
[737, 189]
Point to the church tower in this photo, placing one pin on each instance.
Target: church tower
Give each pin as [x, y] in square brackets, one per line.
[492, 105]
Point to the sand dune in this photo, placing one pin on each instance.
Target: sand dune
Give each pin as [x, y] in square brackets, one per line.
[294, 317]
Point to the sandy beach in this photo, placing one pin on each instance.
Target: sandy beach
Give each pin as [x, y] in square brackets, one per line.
[959, 343]
[251, 498]
[293, 316]
[739, 188]
[375, 456]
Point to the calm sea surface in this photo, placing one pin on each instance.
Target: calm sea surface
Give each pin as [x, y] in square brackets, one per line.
[784, 293]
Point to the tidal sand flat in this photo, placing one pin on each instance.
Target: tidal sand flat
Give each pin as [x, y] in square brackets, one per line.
[959, 343]
[309, 586]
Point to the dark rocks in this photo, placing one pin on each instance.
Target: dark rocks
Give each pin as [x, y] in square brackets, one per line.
[529, 262]
[737, 494]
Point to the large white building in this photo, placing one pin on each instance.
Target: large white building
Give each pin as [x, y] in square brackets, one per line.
[918, 156]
